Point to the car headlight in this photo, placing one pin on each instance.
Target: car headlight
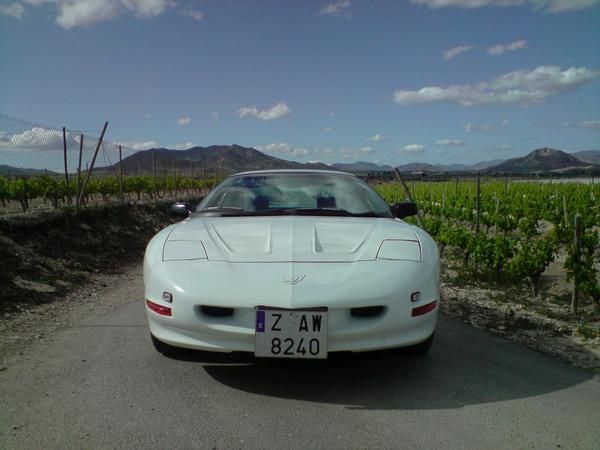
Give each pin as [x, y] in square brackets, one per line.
[183, 250]
[400, 249]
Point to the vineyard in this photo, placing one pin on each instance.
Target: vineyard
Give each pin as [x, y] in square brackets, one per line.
[47, 192]
[508, 235]
[512, 233]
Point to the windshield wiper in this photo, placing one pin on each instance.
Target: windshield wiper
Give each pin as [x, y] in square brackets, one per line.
[240, 212]
[220, 211]
[307, 212]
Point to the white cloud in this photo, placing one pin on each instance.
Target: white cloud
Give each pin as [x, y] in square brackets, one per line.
[193, 14]
[328, 129]
[181, 146]
[455, 51]
[590, 124]
[553, 6]
[184, 120]
[331, 114]
[146, 8]
[367, 150]
[215, 115]
[450, 142]
[556, 6]
[377, 138]
[337, 9]
[37, 138]
[140, 145]
[521, 86]
[474, 128]
[283, 148]
[76, 13]
[412, 148]
[467, 3]
[15, 10]
[275, 112]
[146, 145]
[499, 49]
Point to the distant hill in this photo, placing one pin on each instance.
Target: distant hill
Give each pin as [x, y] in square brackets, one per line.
[231, 158]
[19, 172]
[417, 167]
[485, 164]
[588, 156]
[540, 160]
[361, 166]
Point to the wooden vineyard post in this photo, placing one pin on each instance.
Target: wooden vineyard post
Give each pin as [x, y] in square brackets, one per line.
[89, 174]
[155, 194]
[408, 195]
[121, 174]
[477, 203]
[565, 211]
[78, 191]
[174, 176]
[576, 257]
[66, 168]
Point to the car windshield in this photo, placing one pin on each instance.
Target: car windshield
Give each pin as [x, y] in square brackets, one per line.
[282, 193]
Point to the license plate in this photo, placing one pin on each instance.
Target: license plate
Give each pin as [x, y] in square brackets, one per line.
[291, 333]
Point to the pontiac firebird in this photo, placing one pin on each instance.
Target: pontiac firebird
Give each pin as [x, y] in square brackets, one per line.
[292, 264]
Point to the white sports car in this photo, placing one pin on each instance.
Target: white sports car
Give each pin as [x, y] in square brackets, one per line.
[292, 264]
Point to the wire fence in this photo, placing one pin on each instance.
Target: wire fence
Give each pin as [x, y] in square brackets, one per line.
[48, 167]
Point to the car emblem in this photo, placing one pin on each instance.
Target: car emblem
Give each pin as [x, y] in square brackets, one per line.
[295, 280]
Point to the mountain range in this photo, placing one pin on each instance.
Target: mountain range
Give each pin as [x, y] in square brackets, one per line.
[228, 158]
[235, 158]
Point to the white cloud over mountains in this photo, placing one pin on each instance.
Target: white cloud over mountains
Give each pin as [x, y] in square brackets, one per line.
[275, 112]
[521, 87]
[283, 148]
[36, 138]
[140, 145]
[553, 6]
[184, 120]
[411, 148]
[345, 153]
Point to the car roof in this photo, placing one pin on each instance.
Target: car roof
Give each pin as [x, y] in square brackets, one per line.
[262, 172]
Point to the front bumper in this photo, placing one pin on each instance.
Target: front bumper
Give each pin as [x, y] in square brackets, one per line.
[338, 286]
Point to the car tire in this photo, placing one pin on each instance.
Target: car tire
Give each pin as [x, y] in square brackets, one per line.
[422, 347]
[163, 348]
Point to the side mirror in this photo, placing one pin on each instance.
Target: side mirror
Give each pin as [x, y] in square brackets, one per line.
[404, 209]
[181, 209]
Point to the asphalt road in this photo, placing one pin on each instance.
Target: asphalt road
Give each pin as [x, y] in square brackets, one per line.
[100, 384]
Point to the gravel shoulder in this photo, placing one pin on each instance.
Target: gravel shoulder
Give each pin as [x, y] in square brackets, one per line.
[33, 325]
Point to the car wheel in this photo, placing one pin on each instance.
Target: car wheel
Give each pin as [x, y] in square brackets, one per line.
[163, 348]
[422, 347]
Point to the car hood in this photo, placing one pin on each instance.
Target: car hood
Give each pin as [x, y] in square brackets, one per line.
[291, 238]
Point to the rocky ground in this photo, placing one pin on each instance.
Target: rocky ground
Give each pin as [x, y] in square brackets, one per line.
[54, 268]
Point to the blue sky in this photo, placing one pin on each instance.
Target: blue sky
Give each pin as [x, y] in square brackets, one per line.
[389, 81]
